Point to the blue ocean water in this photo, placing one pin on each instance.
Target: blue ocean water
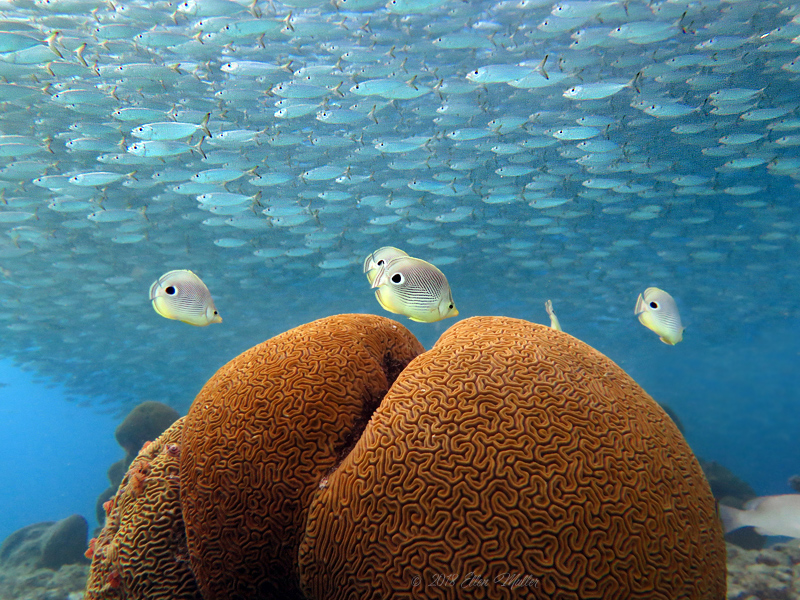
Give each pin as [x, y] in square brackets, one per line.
[486, 175]
[56, 453]
[738, 404]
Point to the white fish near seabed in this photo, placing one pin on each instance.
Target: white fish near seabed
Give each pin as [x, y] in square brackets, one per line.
[770, 515]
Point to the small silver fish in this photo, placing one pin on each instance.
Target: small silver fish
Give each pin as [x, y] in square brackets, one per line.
[170, 130]
[182, 295]
[658, 312]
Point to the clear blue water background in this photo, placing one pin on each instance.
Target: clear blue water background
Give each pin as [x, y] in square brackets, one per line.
[730, 258]
[55, 453]
[738, 404]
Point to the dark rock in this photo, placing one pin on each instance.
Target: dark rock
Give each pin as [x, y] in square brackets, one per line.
[46, 545]
[143, 424]
[728, 489]
[24, 546]
[794, 482]
[66, 543]
[117, 471]
[746, 538]
[100, 512]
[792, 552]
[773, 558]
[724, 483]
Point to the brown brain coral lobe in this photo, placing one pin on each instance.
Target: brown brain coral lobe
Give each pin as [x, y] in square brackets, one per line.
[141, 552]
[510, 448]
[263, 432]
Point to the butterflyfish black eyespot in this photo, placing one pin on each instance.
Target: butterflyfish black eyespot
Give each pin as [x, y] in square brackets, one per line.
[170, 290]
[654, 305]
[397, 278]
[450, 307]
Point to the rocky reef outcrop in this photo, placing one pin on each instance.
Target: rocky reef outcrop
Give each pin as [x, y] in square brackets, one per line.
[45, 561]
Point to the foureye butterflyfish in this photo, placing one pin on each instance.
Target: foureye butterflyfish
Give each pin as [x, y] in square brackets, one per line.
[182, 295]
[658, 312]
[376, 260]
[414, 288]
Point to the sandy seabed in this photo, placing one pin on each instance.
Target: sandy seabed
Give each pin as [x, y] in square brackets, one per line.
[769, 574]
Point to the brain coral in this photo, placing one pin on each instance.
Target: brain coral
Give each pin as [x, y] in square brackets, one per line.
[141, 552]
[512, 460]
[262, 434]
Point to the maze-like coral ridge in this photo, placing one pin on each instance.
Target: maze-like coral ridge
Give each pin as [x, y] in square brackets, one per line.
[141, 552]
[262, 435]
[509, 461]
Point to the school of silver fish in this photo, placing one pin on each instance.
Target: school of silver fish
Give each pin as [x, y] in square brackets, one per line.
[578, 151]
